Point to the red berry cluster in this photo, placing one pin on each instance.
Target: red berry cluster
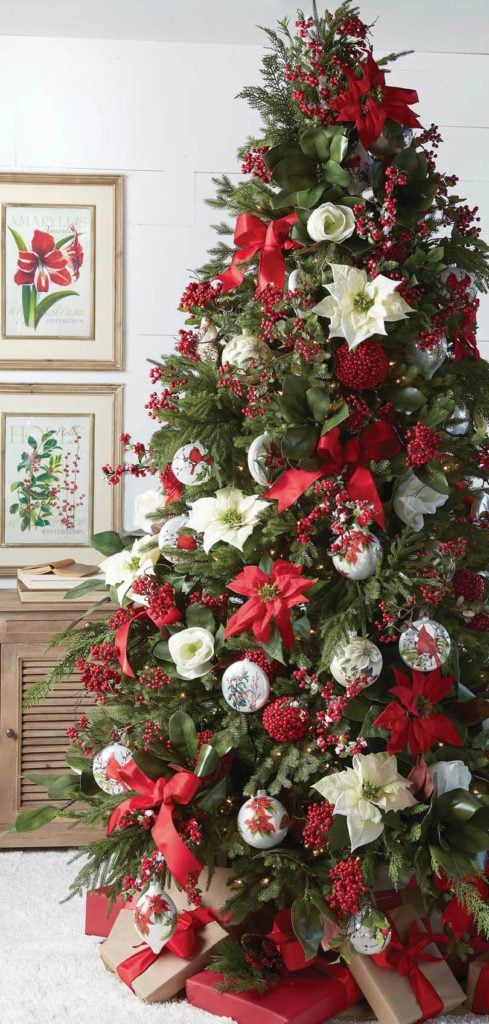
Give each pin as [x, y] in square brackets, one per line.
[255, 165]
[468, 584]
[423, 445]
[359, 411]
[145, 819]
[482, 457]
[217, 605]
[480, 622]
[262, 954]
[257, 396]
[73, 733]
[199, 294]
[285, 720]
[190, 831]
[363, 368]
[258, 657]
[98, 672]
[155, 680]
[187, 345]
[353, 27]
[152, 732]
[348, 886]
[316, 830]
[141, 468]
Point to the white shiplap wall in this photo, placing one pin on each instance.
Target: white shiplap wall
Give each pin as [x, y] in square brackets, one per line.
[164, 115]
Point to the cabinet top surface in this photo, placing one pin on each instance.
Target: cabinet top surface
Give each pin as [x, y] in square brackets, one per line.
[10, 604]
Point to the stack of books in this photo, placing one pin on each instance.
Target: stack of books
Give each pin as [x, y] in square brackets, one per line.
[51, 581]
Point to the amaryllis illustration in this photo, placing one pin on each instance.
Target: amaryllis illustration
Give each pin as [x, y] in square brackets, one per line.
[45, 264]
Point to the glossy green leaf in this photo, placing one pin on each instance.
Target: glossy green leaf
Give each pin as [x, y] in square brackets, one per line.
[208, 760]
[456, 864]
[198, 615]
[299, 442]
[274, 647]
[152, 765]
[108, 542]
[213, 797]
[319, 401]
[78, 763]
[183, 735]
[338, 147]
[29, 821]
[83, 588]
[335, 174]
[433, 475]
[307, 925]
[405, 399]
[455, 806]
[64, 786]
[342, 413]
[315, 143]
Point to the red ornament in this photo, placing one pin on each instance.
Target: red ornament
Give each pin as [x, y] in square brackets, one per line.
[363, 368]
[468, 584]
[368, 102]
[285, 720]
[480, 622]
[411, 719]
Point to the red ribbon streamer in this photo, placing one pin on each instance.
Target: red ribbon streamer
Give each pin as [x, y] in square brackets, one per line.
[122, 636]
[166, 794]
[252, 235]
[480, 1002]
[181, 944]
[405, 959]
[376, 442]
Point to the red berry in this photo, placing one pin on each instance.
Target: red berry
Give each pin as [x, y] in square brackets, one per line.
[480, 622]
[285, 720]
[363, 368]
[468, 584]
[316, 829]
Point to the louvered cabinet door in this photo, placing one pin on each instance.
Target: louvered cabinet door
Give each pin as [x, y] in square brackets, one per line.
[34, 740]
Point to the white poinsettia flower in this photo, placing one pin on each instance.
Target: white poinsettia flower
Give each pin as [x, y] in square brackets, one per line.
[450, 775]
[145, 507]
[229, 516]
[124, 567]
[331, 222]
[359, 307]
[364, 792]
[413, 500]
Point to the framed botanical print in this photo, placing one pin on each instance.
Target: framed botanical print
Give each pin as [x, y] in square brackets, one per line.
[54, 440]
[61, 271]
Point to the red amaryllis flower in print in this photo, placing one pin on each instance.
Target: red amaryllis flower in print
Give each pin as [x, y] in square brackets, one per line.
[368, 101]
[270, 600]
[74, 254]
[411, 719]
[44, 263]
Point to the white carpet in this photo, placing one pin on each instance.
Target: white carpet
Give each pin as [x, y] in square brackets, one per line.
[50, 971]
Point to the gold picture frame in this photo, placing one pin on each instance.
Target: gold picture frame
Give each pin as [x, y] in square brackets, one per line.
[54, 440]
[61, 271]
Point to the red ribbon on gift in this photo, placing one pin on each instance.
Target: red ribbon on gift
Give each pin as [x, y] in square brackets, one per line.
[282, 935]
[376, 442]
[405, 958]
[181, 944]
[165, 794]
[252, 235]
[480, 1002]
[122, 636]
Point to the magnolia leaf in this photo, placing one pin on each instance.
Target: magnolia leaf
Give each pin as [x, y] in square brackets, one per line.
[108, 542]
[198, 615]
[29, 821]
[208, 760]
[83, 588]
[211, 798]
[183, 735]
[274, 647]
[307, 926]
[319, 401]
[433, 475]
[151, 764]
[342, 413]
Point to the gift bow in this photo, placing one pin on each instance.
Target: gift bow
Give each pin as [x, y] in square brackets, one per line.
[165, 793]
[480, 1002]
[252, 235]
[283, 936]
[376, 442]
[405, 958]
[181, 944]
[122, 636]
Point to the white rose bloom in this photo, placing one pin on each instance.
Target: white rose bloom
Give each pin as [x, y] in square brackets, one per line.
[243, 348]
[230, 516]
[192, 651]
[364, 792]
[358, 307]
[448, 775]
[331, 223]
[146, 505]
[413, 500]
[124, 567]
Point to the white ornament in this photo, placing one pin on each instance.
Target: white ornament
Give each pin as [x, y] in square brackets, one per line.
[145, 507]
[429, 360]
[263, 821]
[460, 275]
[413, 500]
[257, 454]
[331, 223]
[245, 686]
[358, 658]
[191, 464]
[449, 775]
[169, 534]
[361, 556]
[360, 172]
[459, 421]
[106, 768]
[480, 506]
[207, 347]
[155, 917]
[368, 939]
[425, 645]
[243, 349]
[359, 306]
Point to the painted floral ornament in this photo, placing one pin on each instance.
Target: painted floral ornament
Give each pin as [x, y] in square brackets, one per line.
[246, 352]
[192, 464]
[452, 275]
[169, 534]
[264, 459]
[357, 554]
[263, 821]
[425, 645]
[155, 917]
[245, 686]
[357, 659]
[107, 765]
[369, 931]
[459, 422]
[429, 360]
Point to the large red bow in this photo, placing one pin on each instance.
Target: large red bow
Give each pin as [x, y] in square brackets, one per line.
[404, 958]
[376, 442]
[165, 794]
[122, 636]
[181, 944]
[252, 235]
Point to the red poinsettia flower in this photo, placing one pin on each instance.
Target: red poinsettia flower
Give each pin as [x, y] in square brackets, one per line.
[411, 720]
[368, 101]
[43, 264]
[270, 598]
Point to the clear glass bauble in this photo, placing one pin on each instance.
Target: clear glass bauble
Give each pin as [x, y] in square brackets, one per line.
[459, 422]
[365, 938]
[429, 360]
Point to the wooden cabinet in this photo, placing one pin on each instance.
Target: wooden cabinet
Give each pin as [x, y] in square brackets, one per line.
[34, 739]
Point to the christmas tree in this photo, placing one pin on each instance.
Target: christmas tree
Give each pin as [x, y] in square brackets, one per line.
[293, 679]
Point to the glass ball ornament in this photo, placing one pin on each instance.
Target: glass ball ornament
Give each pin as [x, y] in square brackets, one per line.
[106, 768]
[360, 556]
[191, 464]
[207, 346]
[245, 686]
[263, 821]
[155, 917]
[257, 454]
[247, 353]
[459, 421]
[425, 645]
[368, 938]
[169, 534]
[480, 506]
[358, 658]
[459, 274]
[429, 360]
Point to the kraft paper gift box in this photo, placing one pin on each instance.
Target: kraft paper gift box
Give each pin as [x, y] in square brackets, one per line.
[305, 997]
[478, 984]
[391, 996]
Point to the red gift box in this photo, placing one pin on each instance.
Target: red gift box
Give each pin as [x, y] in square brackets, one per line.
[305, 997]
[98, 917]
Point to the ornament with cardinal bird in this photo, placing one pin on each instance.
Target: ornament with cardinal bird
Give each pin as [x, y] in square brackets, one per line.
[425, 645]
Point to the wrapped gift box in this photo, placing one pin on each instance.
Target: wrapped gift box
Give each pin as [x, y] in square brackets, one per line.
[99, 913]
[390, 899]
[478, 984]
[391, 996]
[168, 973]
[305, 997]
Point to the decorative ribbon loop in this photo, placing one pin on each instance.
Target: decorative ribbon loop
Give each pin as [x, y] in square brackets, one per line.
[252, 235]
[283, 936]
[181, 944]
[122, 636]
[166, 794]
[404, 958]
[377, 442]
